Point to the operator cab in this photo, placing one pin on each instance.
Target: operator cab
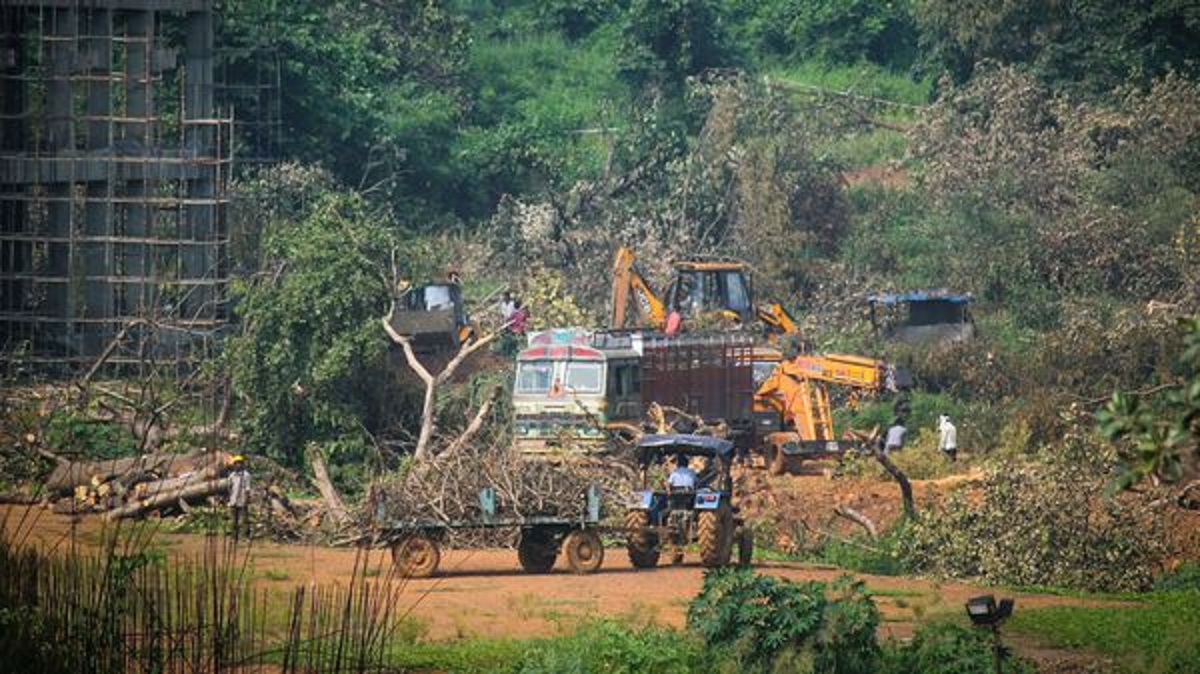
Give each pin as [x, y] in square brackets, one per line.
[922, 316]
[706, 287]
[433, 316]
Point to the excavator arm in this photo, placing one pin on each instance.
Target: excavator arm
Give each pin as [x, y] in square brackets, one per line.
[774, 316]
[797, 388]
[626, 281]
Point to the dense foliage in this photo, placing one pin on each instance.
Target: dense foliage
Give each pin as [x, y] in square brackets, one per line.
[766, 622]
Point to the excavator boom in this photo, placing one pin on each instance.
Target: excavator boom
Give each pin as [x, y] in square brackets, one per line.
[627, 280]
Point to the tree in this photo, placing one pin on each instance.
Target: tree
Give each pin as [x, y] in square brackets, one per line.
[307, 364]
[1158, 431]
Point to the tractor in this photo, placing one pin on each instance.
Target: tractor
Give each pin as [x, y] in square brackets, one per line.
[663, 518]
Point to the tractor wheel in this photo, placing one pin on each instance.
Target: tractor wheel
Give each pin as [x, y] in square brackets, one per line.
[745, 546]
[584, 551]
[777, 461]
[416, 556]
[715, 531]
[641, 544]
[537, 551]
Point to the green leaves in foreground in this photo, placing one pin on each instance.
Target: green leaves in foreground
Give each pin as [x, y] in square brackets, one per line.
[1159, 434]
[761, 620]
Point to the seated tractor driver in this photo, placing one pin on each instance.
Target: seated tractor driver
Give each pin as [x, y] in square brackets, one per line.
[682, 477]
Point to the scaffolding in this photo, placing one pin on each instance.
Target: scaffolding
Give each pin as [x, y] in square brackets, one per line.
[114, 159]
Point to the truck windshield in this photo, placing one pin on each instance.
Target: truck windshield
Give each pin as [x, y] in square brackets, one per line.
[534, 376]
[584, 377]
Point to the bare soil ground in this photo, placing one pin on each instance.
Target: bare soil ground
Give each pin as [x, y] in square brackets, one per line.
[484, 593]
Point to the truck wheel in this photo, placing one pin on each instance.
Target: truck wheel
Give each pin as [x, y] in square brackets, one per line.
[641, 544]
[537, 551]
[716, 536]
[584, 551]
[745, 546]
[416, 556]
[777, 463]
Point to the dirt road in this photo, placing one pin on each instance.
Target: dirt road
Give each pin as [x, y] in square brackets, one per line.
[484, 592]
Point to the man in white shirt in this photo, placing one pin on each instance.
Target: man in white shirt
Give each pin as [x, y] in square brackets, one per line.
[682, 477]
[895, 437]
[947, 437]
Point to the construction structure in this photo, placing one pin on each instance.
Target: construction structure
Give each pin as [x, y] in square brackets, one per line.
[114, 158]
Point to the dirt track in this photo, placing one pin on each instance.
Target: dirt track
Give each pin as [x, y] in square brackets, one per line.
[484, 592]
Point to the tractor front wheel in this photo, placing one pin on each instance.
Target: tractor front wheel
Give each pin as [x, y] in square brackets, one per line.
[537, 551]
[416, 556]
[715, 531]
[585, 552]
[641, 544]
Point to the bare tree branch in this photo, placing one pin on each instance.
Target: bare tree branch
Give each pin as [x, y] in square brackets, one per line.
[472, 428]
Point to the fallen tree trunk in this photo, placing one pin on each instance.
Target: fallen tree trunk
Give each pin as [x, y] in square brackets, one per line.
[170, 484]
[906, 492]
[333, 501]
[858, 518]
[191, 491]
[67, 476]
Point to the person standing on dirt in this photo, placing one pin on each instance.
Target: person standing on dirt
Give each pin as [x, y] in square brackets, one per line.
[947, 437]
[239, 496]
[894, 440]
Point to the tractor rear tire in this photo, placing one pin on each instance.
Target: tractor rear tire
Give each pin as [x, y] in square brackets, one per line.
[585, 552]
[642, 545]
[537, 550]
[416, 556]
[715, 531]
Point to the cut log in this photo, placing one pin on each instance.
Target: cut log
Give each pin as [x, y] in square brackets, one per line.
[197, 490]
[152, 489]
[858, 518]
[906, 492]
[67, 476]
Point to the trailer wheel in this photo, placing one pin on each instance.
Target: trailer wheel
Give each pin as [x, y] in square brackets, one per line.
[641, 544]
[416, 556]
[745, 546]
[585, 552]
[537, 550]
[716, 536]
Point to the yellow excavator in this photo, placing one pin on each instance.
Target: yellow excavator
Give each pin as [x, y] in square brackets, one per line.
[701, 287]
[798, 391]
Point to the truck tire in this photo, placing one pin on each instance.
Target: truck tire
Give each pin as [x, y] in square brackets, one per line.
[585, 552]
[537, 550]
[642, 545]
[416, 556]
[715, 531]
[777, 462]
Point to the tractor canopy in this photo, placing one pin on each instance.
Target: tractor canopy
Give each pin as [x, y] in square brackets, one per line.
[651, 447]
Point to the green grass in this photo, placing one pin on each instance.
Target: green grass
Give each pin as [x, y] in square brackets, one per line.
[1161, 634]
[276, 574]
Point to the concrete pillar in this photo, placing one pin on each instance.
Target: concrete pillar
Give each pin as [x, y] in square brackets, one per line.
[98, 255]
[137, 138]
[199, 141]
[62, 53]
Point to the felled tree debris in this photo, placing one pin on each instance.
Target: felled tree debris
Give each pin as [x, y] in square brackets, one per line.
[446, 490]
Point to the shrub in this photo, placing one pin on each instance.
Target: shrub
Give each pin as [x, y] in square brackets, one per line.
[615, 649]
[1044, 523]
[947, 648]
[763, 622]
[1185, 577]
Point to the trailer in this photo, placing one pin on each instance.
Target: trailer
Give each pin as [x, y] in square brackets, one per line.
[416, 543]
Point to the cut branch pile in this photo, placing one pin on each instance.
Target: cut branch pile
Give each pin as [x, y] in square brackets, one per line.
[447, 491]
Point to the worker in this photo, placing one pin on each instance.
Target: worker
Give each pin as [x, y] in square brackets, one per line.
[947, 437]
[520, 317]
[682, 477]
[894, 441]
[239, 496]
[507, 306]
